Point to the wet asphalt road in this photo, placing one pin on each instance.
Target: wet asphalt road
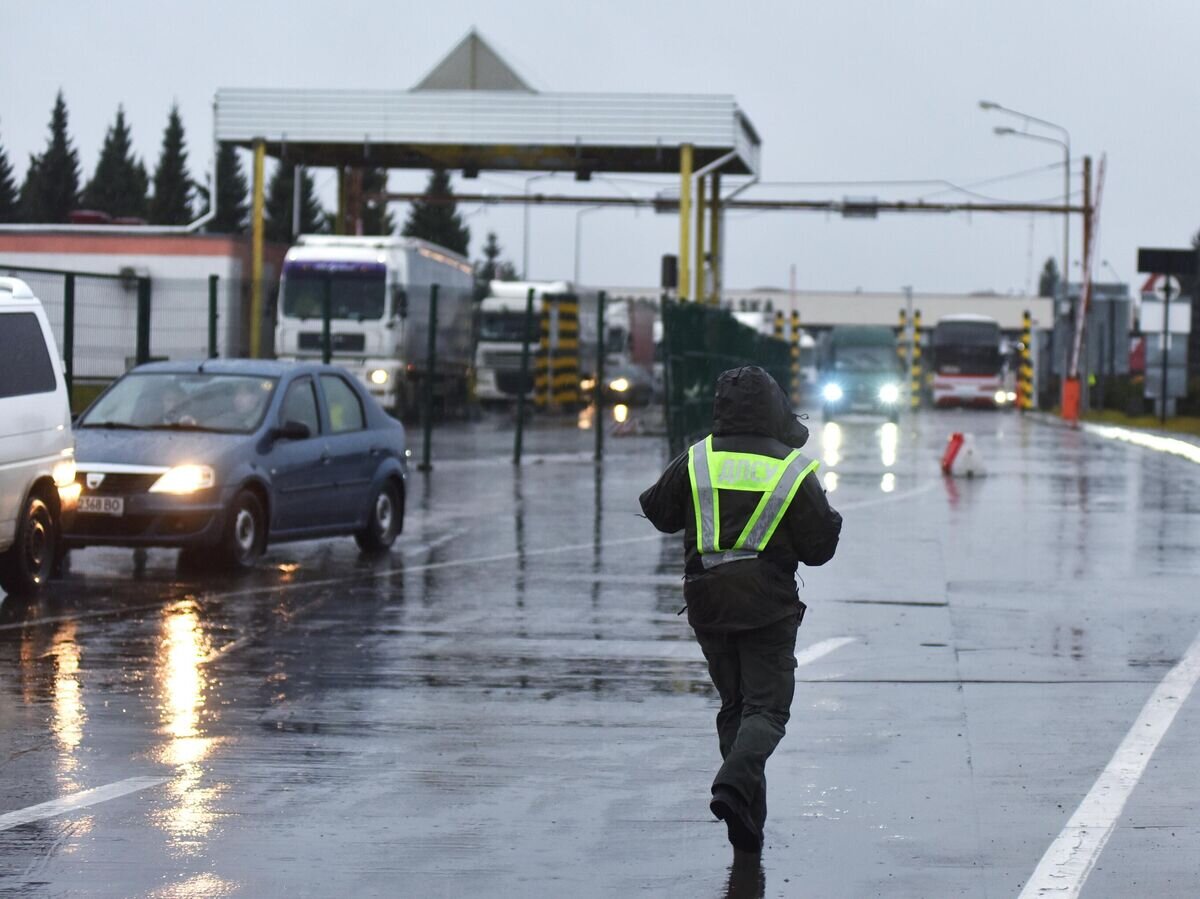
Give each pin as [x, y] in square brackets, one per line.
[508, 705]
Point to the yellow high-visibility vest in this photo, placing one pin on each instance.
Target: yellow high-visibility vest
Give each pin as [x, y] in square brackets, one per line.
[776, 479]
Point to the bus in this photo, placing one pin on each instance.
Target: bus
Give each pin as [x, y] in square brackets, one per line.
[968, 366]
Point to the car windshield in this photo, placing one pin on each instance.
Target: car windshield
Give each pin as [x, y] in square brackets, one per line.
[864, 358]
[357, 291]
[184, 401]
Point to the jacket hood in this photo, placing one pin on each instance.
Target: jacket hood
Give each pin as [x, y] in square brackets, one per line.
[749, 401]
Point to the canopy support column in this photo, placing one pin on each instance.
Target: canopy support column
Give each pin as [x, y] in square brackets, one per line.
[685, 220]
[256, 252]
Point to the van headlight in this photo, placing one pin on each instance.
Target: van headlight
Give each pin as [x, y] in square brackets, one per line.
[63, 471]
[831, 392]
[889, 393]
[184, 479]
[379, 377]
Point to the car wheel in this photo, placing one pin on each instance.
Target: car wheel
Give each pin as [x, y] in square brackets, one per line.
[385, 518]
[245, 535]
[29, 562]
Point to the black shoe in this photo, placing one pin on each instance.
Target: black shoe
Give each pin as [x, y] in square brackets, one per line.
[729, 807]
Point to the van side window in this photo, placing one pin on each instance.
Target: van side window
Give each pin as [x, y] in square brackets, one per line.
[300, 404]
[25, 366]
[345, 408]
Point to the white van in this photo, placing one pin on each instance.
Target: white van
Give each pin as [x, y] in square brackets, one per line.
[37, 448]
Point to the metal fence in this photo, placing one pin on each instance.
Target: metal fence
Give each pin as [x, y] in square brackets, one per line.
[700, 342]
[105, 324]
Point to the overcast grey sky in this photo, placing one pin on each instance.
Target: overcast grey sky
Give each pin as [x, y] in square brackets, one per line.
[846, 90]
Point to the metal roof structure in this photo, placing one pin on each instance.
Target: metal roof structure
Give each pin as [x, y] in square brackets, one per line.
[472, 66]
[451, 121]
[497, 130]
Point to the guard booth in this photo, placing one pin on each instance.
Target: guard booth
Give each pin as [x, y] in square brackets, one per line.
[1106, 343]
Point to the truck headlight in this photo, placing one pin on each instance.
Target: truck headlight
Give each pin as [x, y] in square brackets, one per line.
[184, 479]
[379, 377]
[889, 393]
[831, 392]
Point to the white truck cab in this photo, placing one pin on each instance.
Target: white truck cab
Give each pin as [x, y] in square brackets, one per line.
[37, 448]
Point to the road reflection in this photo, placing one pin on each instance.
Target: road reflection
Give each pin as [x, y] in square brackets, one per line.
[831, 443]
[182, 687]
[889, 440]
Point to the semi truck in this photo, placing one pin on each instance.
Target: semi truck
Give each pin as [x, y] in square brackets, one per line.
[501, 335]
[378, 293]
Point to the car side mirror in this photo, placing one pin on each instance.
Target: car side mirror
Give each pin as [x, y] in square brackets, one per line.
[292, 430]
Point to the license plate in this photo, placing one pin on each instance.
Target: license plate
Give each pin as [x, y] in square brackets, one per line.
[102, 505]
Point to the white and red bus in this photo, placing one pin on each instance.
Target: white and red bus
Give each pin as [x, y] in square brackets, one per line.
[968, 368]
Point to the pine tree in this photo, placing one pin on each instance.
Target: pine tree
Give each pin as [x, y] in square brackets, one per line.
[1048, 280]
[492, 267]
[9, 197]
[231, 193]
[119, 185]
[278, 211]
[51, 188]
[377, 219]
[172, 203]
[435, 218]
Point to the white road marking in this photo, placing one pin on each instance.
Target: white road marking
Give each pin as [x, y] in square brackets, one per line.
[76, 801]
[1071, 857]
[819, 650]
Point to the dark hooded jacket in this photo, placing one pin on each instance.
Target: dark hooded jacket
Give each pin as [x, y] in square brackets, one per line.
[751, 414]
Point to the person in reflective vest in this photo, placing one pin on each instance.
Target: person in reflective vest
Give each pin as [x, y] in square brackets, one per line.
[751, 508]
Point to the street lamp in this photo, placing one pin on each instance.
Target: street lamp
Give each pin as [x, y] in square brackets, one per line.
[578, 222]
[525, 231]
[1065, 143]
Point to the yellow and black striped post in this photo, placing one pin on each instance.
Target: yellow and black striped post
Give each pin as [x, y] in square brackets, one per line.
[1025, 370]
[901, 341]
[915, 386]
[564, 371]
[795, 342]
[778, 332]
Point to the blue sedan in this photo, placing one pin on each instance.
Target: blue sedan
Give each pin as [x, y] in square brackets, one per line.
[222, 457]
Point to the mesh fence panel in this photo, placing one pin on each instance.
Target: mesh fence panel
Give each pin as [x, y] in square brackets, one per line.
[699, 343]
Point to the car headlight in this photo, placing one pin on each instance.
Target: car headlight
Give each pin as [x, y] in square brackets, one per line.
[63, 471]
[184, 479]
[620, 385]
[889, 393]
[379, 377]
[831, 392]
[587, 385]
[1001, 396]
[1012, 396]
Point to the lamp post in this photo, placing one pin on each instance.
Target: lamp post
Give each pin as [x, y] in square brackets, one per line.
[1065, 143]
[525, 230]
[578, 231]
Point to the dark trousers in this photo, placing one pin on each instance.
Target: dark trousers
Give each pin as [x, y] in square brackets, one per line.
[755, 674]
